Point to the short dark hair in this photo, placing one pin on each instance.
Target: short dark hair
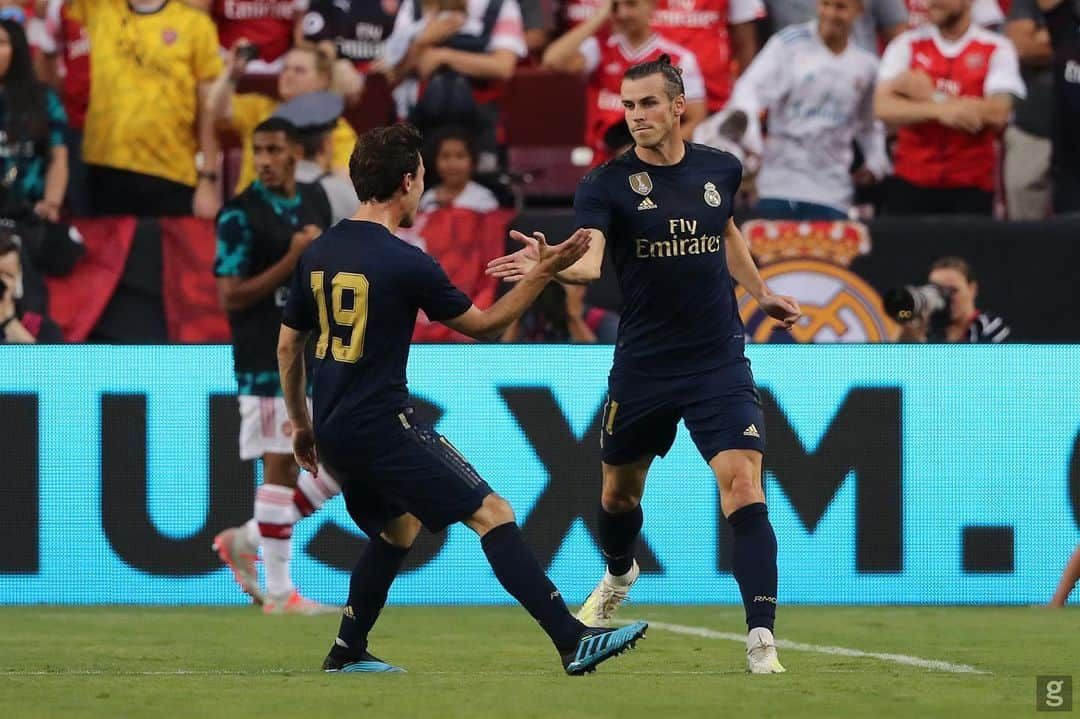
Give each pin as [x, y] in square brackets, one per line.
[381, 158]
[959, 264]
[8, 242]
[278, 124]
[454, 132]
[312, 141]
[673, 84]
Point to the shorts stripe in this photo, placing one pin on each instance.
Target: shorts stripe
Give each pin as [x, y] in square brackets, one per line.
[448, 455]
[613, 407]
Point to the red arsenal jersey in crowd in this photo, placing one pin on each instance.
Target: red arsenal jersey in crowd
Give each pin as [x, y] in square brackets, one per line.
[978, 64]
[266, 23]
[606, 62]
[700, 25]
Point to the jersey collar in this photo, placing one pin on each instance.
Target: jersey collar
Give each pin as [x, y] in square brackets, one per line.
[276, 200]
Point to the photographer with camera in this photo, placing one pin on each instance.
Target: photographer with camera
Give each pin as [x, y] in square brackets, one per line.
[18, 324]
[944, 310]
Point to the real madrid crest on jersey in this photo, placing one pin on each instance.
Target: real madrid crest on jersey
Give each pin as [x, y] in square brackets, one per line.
[712, 197]
[641, 183]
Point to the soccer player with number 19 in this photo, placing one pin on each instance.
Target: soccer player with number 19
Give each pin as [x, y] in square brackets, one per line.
[664, 210]
[359, 286]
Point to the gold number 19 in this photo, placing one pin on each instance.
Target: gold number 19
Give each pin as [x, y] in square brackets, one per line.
[354, 316]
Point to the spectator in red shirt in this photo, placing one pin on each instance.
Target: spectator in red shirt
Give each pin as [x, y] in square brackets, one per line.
[983, 12]
[65, 47]
[268, 25]
[949, 87]
[606, 58]
[717, 31]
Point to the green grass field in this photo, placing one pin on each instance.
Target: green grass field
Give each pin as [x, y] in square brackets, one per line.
[494, 662]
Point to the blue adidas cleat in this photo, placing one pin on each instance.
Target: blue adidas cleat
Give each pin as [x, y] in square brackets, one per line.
[598, 645]
[366, 662]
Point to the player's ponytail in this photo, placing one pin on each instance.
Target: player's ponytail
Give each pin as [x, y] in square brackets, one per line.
[673, 83]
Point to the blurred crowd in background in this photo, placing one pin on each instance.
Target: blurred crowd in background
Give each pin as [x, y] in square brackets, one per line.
[838, 109]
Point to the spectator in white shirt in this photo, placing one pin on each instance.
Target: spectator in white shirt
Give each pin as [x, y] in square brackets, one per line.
[880, 21]
[463, 57]
[454, 160]
[818, 89]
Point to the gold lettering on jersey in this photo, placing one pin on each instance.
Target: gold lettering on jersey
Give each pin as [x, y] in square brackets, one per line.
[678, 246]
[641, 183]
[680, 226]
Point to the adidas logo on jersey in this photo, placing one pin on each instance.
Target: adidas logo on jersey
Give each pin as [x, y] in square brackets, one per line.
[647, 204]
[751, 431]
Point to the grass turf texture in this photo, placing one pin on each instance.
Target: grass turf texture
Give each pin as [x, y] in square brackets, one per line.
[494, 662]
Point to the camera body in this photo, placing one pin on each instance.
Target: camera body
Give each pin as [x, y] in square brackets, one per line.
[912, 302]
[248, 52]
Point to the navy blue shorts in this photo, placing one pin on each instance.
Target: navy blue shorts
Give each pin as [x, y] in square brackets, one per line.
[721, 408]
[410, 468]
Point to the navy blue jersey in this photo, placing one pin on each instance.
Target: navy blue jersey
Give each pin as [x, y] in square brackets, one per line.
[664, 227]
[359, 287]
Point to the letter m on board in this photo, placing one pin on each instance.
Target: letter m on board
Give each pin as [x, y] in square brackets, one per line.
[863, 439]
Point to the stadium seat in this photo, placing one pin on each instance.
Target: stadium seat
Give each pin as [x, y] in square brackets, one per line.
[540, 148]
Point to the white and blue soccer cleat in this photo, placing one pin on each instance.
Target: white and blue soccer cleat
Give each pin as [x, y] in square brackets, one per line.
[365, 663]
[598, 645]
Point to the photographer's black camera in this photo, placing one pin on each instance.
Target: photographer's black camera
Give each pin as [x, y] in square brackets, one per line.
[911, 302]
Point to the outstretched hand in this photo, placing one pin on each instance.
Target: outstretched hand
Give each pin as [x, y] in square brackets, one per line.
[537, 251]
[556, 259]
[782, 308]
[513, 267]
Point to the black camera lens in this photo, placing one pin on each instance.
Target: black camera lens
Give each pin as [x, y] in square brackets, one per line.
[899, 304]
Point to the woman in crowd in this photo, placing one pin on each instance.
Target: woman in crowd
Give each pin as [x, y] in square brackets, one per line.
[33, 157]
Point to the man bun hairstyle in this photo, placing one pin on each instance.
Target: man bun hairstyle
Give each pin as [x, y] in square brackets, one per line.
[381, 159]
[673, 84]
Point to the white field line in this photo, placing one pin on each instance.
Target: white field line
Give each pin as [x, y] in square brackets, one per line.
[305, 672]
[933, 664]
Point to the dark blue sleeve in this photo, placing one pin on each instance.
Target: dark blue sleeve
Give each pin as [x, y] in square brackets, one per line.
[736, 174]
[592, 207]
[299, 311]
[435, 294]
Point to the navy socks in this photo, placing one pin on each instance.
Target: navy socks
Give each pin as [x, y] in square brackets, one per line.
[754, 563]
[522, 576]
[618, 535]
[370, 583]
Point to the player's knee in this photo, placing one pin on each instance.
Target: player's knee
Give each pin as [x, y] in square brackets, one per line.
[617, 500]
[493, 512]
[745, 489]
[402, 532]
